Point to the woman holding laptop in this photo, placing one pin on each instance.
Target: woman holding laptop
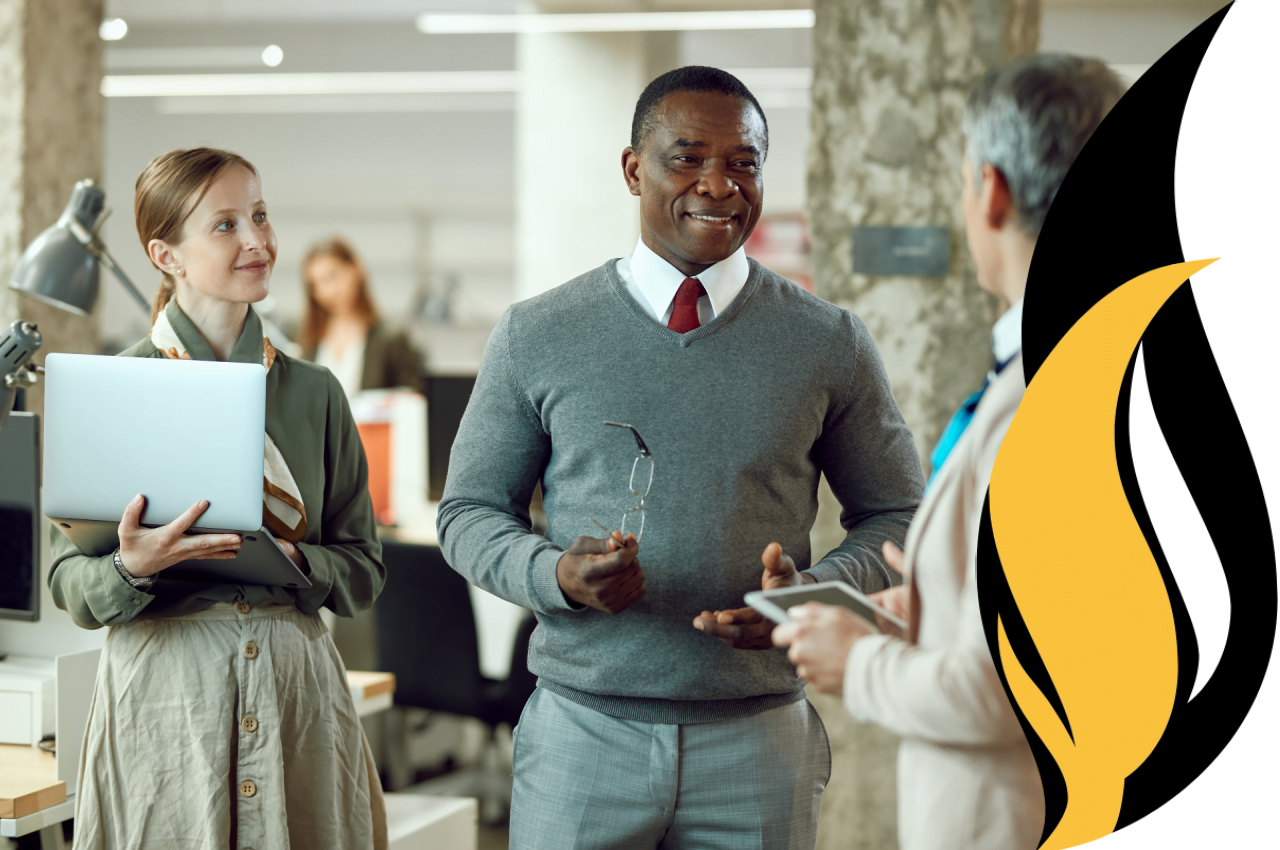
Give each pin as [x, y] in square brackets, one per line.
[221, 715]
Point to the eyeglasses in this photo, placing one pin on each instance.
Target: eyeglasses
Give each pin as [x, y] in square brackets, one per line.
[639, 483]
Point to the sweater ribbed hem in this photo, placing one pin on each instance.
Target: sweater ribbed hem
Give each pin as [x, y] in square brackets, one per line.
[673, 711]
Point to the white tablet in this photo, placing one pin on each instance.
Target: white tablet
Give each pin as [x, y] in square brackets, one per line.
[774, 603]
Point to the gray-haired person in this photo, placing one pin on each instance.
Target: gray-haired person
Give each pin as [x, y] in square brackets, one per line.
[664, 717]
[966, 776]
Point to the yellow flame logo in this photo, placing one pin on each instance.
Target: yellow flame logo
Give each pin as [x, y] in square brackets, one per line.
[1084, 579]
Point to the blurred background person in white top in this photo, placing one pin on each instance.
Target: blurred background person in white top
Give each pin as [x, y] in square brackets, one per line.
[341, 329]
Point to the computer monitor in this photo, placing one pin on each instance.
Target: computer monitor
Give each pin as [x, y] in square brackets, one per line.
[447, 397]
[20, 517]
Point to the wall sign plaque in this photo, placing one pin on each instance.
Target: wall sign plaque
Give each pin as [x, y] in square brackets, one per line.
[911, 251]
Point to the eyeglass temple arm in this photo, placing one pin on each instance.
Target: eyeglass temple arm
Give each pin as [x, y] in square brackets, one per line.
[644, 450]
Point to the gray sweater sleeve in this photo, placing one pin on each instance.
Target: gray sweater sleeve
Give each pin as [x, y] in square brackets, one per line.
[497, 458]
[870, 460]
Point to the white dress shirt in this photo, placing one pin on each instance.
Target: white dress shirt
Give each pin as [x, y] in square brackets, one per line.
[653, 282]
[1006, 335]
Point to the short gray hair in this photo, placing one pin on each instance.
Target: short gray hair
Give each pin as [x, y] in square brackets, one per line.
[1030, 118]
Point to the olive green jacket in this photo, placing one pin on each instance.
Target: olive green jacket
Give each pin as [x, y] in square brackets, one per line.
[390, 360]
[309, 420]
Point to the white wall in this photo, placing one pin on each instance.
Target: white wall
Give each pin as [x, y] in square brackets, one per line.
[1117, 35]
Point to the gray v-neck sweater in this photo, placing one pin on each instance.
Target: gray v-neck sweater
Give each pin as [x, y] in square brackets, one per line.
[741, 415]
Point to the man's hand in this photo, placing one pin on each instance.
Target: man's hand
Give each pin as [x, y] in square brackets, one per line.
[896, 600]
[746, 628]
[602, 573]
[820, 637]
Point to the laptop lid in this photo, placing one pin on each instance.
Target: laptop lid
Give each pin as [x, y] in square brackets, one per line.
[176, 431]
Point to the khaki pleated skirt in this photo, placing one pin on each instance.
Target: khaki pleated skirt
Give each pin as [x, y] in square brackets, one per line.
[229, 728]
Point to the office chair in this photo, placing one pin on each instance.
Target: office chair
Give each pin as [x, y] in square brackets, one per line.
[427, 638]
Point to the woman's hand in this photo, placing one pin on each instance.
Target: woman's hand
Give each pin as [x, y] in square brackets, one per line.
[896, 600]
[147, 551]
[820, 637]
[295, 555]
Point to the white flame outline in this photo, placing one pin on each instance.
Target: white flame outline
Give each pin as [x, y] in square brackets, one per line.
[1185, 540]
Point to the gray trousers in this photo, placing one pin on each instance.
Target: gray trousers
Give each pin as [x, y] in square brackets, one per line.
[588, 780]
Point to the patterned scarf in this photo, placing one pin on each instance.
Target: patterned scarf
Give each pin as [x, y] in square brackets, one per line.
[282, 510]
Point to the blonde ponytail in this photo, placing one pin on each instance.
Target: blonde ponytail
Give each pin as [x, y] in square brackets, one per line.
[163, 293]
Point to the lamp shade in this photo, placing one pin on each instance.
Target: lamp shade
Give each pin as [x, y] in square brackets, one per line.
[58, 268]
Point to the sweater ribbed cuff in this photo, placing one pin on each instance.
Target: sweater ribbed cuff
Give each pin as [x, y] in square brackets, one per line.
[546, 587]
[826, 571]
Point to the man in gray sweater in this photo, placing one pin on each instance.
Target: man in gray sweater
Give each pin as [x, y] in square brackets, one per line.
[663, 717]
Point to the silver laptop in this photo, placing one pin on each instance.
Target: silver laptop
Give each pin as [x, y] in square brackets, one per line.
[176, 431]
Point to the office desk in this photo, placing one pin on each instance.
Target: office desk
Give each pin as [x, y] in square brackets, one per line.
[371, 692]
[32, 798]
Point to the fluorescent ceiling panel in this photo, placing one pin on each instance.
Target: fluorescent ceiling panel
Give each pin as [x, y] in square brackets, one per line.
[760, 80]
[338, 103]
[214, 85]
[114, 58]
[435, 24]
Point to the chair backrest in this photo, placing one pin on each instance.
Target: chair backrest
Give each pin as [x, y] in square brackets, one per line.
[520, 682]
[427, 632]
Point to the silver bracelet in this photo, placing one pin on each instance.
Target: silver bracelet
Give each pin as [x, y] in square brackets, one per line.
[143, 583]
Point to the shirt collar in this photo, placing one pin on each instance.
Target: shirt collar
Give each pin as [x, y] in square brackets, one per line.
[658, 280]
[248, 348]
[1006, 335]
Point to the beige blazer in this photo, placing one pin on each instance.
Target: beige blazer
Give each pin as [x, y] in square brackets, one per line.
[966, 777]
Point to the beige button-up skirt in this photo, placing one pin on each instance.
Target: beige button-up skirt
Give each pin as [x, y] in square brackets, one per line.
[229, 728]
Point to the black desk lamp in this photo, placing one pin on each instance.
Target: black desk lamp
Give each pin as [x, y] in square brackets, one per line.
[59, 267]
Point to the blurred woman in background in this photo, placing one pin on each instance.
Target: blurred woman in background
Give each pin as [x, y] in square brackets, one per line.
[341, 328]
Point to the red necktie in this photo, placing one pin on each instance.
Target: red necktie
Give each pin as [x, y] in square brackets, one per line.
[684, 312]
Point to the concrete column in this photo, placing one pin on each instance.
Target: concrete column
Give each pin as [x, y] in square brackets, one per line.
[890, 82]
[50, 137]
[573, 118]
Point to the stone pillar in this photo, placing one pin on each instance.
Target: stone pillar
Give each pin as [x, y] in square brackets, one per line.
[50, 137]
[573, 118]
[890, 82]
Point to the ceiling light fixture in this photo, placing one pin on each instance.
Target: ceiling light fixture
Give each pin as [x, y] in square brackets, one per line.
[438, 24]
[118, 58]
[370, 82]
[113, 29]
[272, 55]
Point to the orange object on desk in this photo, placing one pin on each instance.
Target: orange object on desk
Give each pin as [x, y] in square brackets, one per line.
[376, 437]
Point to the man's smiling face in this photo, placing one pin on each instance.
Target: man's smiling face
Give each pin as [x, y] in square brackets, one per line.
[699, 175]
